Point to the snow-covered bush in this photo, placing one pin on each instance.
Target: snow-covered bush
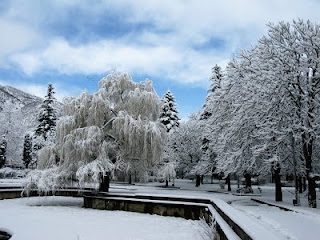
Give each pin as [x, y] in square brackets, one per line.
[222, 184]
[209, 229]
[8, 172]
[245, 190]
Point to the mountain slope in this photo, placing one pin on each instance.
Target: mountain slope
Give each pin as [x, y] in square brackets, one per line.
[18, 115]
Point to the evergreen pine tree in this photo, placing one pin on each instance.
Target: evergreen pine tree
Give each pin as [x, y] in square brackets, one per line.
[214, 85]
[47, 115]
[3, 148]
[27, 150]
[169, 114]
[169, 118]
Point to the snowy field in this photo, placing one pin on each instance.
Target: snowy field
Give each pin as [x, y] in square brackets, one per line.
[302, 223]
[64, 218]
[285, 224]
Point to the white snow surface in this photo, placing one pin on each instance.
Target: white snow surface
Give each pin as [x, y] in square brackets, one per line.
[286, 225]
[258, 220]
[64, 218]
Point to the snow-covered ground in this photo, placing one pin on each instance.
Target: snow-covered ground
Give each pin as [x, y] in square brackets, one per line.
[286, 224]
[64, 218]
[303, 223]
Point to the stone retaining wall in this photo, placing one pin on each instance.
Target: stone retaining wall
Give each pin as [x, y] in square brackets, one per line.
[187, 211]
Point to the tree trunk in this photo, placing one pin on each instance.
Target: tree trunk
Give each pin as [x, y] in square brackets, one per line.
[130, 179]
[296, 201]
[167, 183]
[304, 184]
[248, 180]
[307, 153]
[277, 178]
[272, 177]
[238, 179]
[198, 180]
[228, 182]
[300, 184]
[105, 182]
[312, 195]
[211, 178]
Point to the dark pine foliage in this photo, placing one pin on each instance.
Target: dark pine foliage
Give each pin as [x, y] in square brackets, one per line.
[169, 114]
[3, 150]
[47, 115]
[27, 150]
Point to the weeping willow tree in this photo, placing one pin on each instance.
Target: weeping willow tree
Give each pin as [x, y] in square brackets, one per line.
[115, 128]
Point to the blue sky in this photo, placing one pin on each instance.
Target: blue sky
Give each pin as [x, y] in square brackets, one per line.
[74, 43]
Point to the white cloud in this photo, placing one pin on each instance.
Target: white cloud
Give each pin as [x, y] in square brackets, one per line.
[15, 37]
[196, 21]
[167, 49]
[101, 56]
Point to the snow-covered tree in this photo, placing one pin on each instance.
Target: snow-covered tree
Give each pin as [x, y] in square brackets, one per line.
[27, 150]
[215, 85]
[45, 132]
[107, 131]
[47, 115]
[3, 150]
[207, 160]
[244, 131]
[303, 82]
[188, 145]
[166, 168]
[169, 114]
[266, 114]
[182, 150]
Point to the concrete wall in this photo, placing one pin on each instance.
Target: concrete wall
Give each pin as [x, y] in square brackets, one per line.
[10, 193]
[187, 211]
[17, 193]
